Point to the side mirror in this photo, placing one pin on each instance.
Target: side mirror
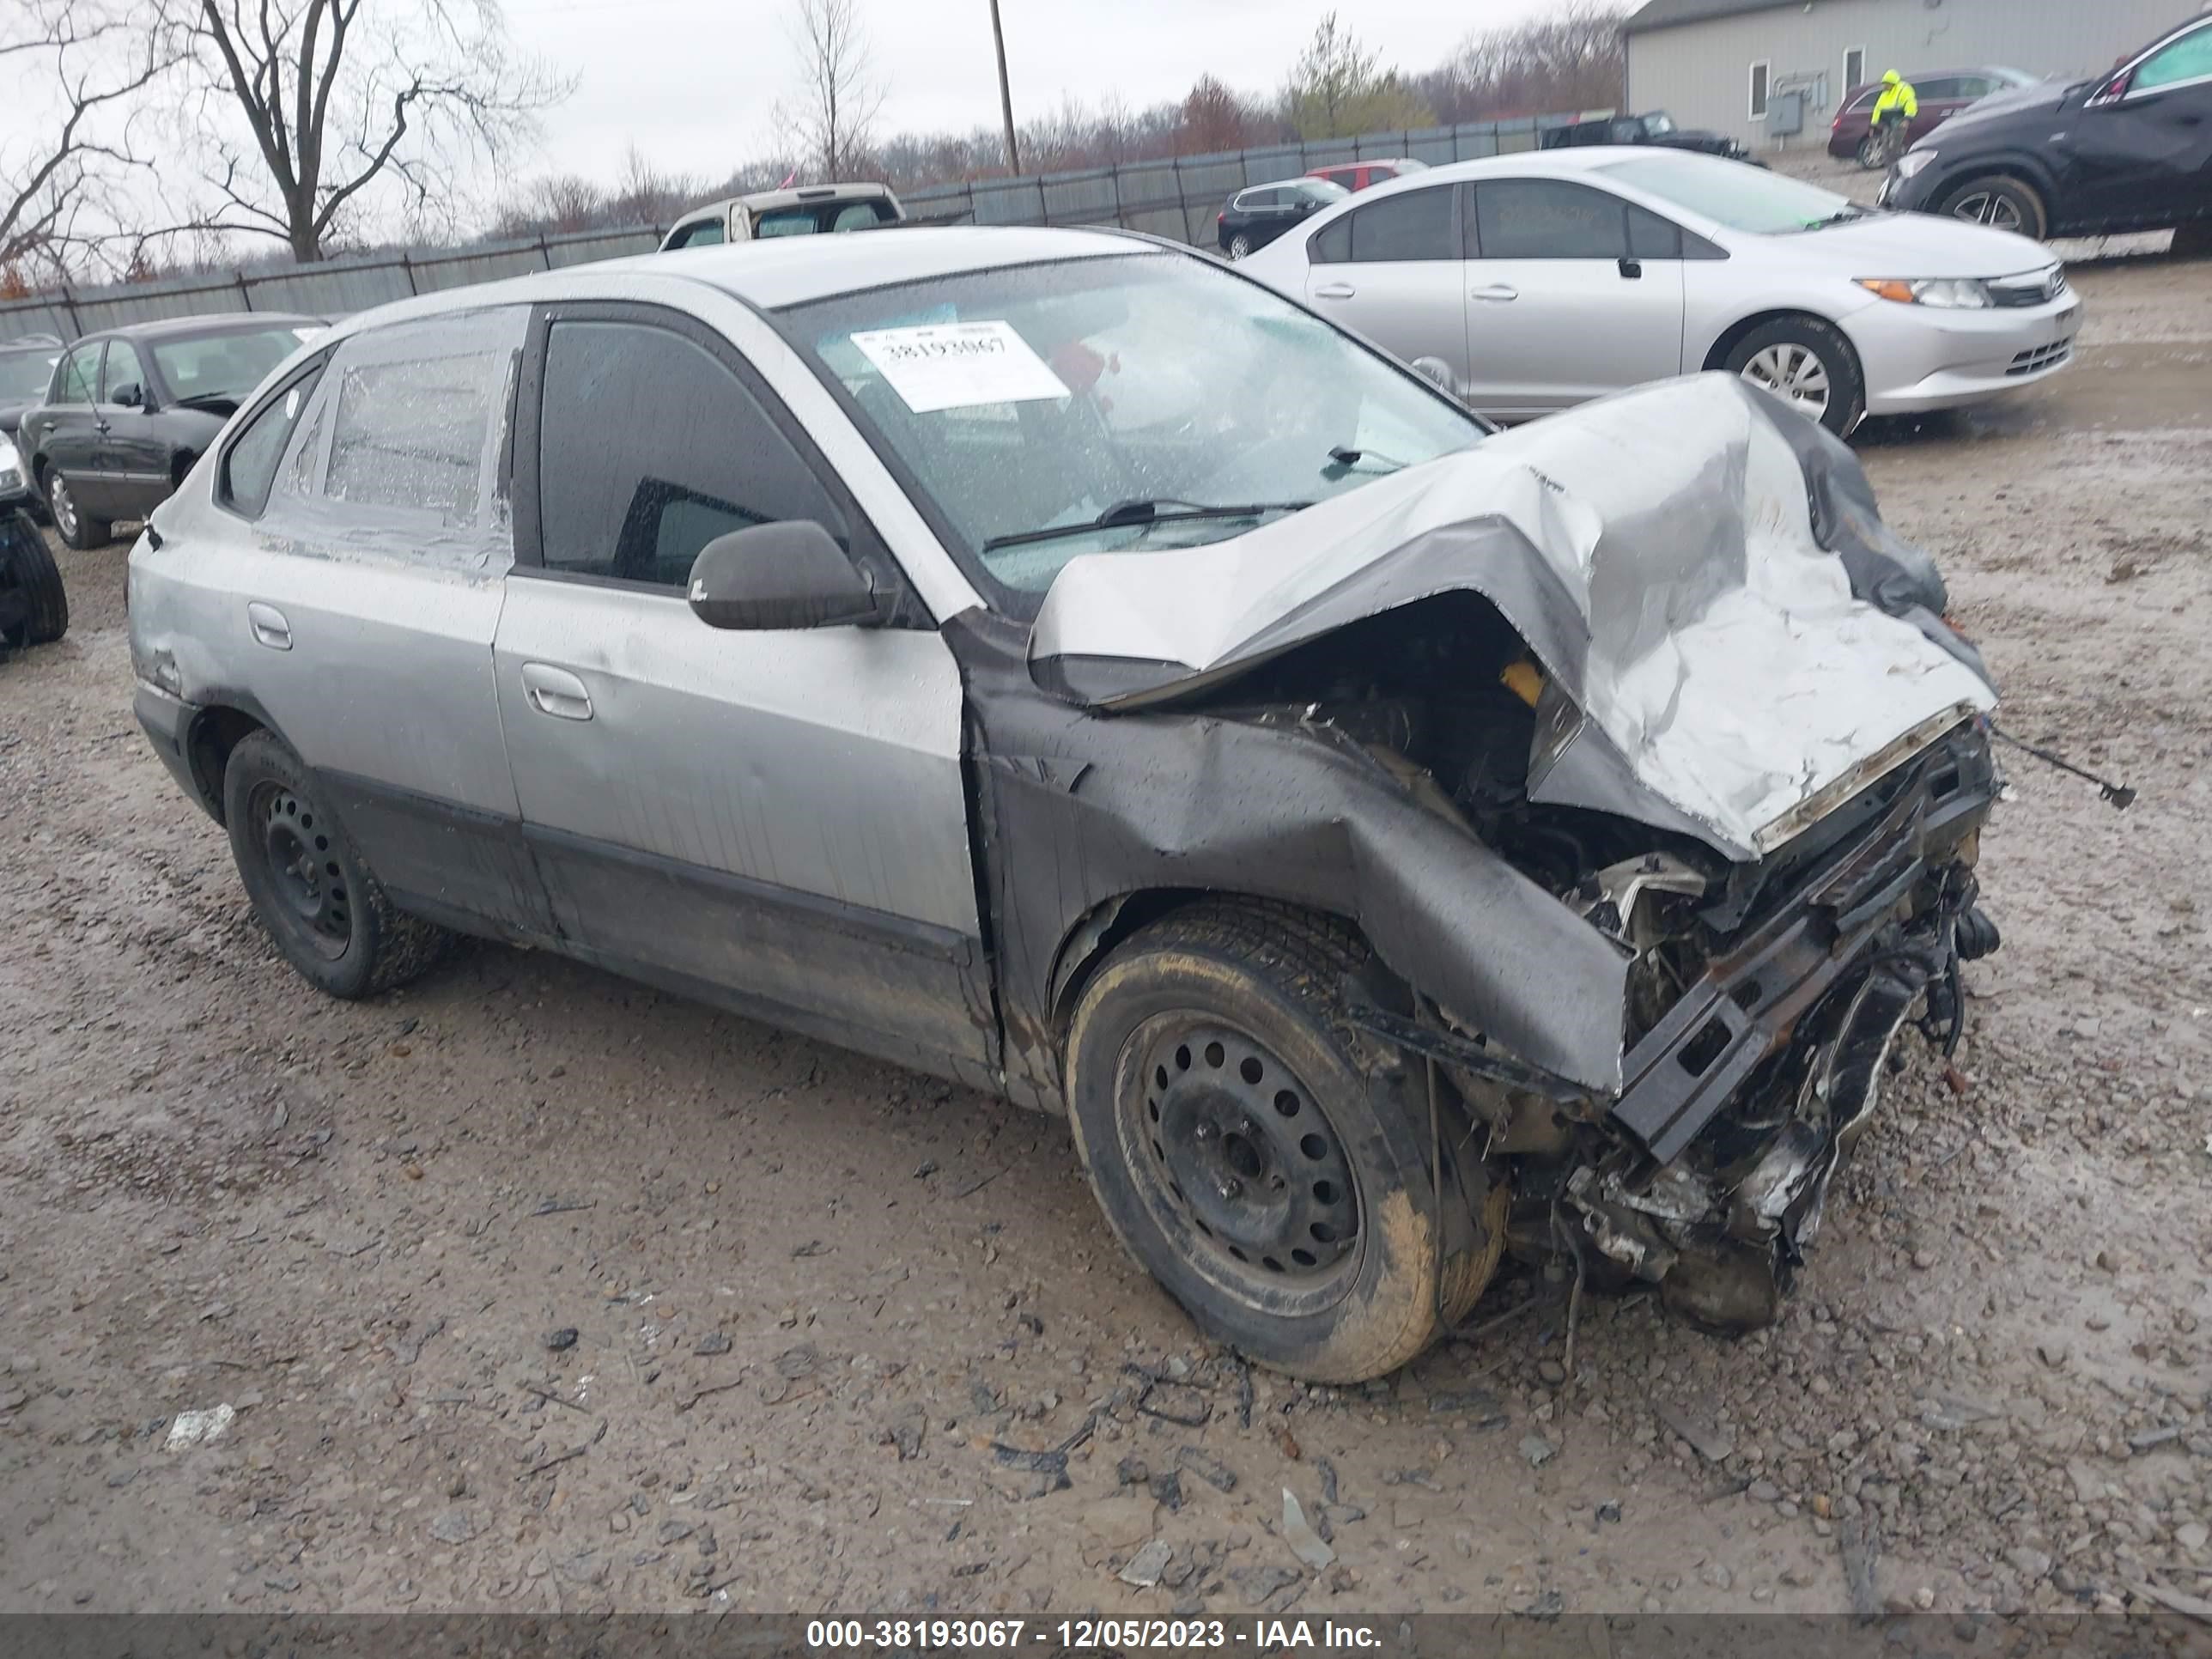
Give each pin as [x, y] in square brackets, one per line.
[130, 395]
[791, 575]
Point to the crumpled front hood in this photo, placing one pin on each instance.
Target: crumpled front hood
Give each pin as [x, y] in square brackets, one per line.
[1734, 639]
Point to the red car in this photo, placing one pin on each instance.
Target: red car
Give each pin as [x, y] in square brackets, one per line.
[1357, 175]
[1943, 93]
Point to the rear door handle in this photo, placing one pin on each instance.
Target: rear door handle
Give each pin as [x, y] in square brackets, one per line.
[269, 626]
[556, 692]
[1334, 291]
[1498, 293]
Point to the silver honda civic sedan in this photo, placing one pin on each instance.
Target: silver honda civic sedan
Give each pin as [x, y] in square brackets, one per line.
[1055, 661]
[1529, 283]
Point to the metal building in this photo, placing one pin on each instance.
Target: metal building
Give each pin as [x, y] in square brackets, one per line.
[1752, 69]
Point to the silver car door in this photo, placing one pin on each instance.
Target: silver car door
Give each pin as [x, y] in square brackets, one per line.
[1392, 270]
[350, 602]
[776, 820]
[1559, 310]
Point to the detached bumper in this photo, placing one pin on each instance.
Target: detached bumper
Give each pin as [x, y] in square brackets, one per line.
[1917, 358]
[167, 721]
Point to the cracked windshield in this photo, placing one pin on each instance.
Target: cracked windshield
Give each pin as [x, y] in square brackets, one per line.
[1133, 405]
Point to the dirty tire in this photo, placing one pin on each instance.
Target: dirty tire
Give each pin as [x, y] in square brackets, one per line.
[1267, 979]
[1777, 351]
[78, 529]
[27, 565]
[361, 945]
[1468, 1272]
[1999, 200]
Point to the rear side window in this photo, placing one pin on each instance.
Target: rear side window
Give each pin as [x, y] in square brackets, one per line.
[1547, 219]
[649, 448]
[249, 466]
[412, 420]
[1415, 226]
[79, 374]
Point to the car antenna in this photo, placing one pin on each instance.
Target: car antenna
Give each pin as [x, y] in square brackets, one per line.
[2119, 795]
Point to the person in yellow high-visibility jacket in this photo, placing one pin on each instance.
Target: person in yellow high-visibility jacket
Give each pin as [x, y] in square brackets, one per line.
[1894, 111]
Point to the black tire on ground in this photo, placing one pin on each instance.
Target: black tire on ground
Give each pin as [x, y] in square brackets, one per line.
[77, 529]
[28, 567]
[329, 918]
[1263, 1161]
[1993, 198]
[1792, 355]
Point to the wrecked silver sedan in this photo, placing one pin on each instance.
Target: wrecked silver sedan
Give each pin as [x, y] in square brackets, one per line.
[1052, 660]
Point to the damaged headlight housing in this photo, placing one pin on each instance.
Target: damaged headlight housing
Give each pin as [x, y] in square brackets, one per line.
[1941, 293]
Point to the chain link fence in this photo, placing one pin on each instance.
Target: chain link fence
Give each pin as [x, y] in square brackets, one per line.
[1175, 198]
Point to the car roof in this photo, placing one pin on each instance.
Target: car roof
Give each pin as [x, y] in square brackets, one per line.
[766, 201]
[212, 322]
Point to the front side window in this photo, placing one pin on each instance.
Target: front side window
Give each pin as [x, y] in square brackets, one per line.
[79, 376]
[220, 371]
[124, 369]
[1547, 219]
[1041, 412]
[2189, 58]
[1415, 226]
[649, 448]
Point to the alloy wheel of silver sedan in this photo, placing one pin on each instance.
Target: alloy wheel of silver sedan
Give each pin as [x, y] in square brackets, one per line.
[64, 508]
[1795, 373]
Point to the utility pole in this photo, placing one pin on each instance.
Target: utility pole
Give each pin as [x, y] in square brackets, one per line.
[1006, 95]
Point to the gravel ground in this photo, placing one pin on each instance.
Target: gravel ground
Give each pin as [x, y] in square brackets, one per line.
[531, 1289]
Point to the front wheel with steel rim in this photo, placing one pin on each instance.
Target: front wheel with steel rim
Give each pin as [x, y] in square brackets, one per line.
[78, 528]
[324, 911]
[1250, 1149]
[1999, 201]
[1807, 364]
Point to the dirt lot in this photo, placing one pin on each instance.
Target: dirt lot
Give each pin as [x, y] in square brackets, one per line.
[532, 1290]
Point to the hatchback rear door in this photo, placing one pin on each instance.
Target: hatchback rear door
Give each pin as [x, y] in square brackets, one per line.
[776, 820]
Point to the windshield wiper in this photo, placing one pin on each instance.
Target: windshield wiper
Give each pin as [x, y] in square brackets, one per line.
[1124, 514]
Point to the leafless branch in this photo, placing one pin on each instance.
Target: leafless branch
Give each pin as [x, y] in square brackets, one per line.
[834, 121]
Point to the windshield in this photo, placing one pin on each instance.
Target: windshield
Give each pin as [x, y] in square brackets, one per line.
[1143, 390]
[224, 367]
[25, 374]
[1732, 194]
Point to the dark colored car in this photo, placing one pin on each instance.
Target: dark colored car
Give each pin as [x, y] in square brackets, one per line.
[1942, 95]
[33, 609]
[1356, 176]
[1258, 213]
[1656, 128]
[2131, 149]
[127, 411]
[26, 368]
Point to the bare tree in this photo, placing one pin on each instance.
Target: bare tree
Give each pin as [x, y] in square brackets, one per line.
[340, 108]
[1337, 90]
[834, 123]
[1214, 118]
[73, 68]
[1571, 59]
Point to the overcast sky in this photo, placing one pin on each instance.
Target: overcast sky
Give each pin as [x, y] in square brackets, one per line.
[693, 82]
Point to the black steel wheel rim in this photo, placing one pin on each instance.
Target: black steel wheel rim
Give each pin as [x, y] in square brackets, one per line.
[1240, 1163]
[308, 883]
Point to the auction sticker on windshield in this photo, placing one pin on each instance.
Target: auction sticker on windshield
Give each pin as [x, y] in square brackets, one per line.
[959, 365]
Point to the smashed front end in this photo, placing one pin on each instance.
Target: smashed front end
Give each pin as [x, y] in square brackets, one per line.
[1633, 743]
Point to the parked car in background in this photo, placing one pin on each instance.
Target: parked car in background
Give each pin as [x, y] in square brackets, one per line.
[26, 368]
[129, 411]
[1657, 129]
[1356, 176]
[34, 607]
[1258, 213]
[2129, 150]
[809, 210]
[768, 640]
[1942, 95]
[1527, 283]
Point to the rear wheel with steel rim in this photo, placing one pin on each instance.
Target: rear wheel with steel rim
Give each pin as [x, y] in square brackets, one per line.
[1809, 364]
[324, 911]
[2001, 202]
[1870, 155]
[78, 528]
[1263, 1161]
